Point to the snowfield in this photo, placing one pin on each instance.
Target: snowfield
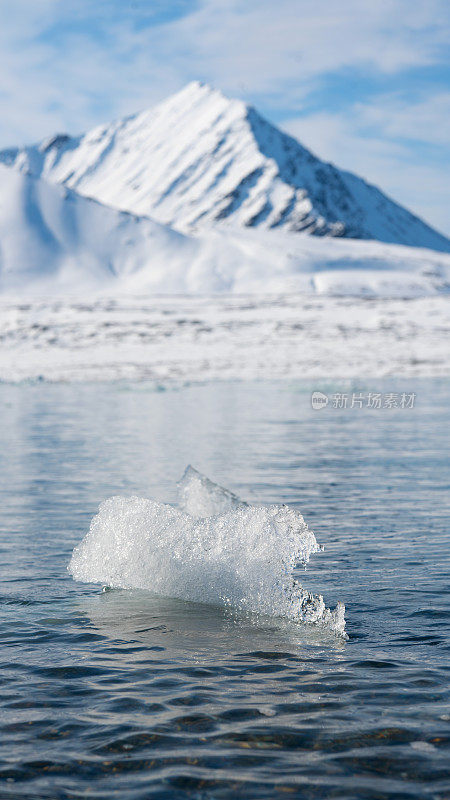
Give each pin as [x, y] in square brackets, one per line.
[173, 340]
[54, 241]
[196, 241]
[91, 293]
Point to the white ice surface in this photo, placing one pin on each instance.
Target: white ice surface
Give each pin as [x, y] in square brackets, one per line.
[200, 497]
[172, 340]
[243, 558]
[56, 242]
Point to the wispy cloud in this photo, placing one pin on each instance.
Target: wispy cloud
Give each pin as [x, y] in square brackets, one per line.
[344, 65]
[267, 44]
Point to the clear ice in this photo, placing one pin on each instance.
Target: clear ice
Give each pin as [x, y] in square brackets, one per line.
[213, 549]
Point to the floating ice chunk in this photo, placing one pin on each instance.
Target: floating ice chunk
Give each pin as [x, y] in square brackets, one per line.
[200, 497]
[243, 558]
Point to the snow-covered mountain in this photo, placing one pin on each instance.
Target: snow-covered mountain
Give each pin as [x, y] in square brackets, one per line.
[54, 241]
[199, 159]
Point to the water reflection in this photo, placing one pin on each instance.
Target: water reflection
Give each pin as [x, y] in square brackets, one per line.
[196, 631]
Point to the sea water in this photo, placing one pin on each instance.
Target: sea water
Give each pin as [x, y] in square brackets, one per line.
[134, 693]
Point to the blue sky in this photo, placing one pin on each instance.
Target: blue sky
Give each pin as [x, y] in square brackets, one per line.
[363, 84]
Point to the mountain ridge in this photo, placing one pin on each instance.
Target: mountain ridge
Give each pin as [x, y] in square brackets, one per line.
[199, 160]
[54, 241]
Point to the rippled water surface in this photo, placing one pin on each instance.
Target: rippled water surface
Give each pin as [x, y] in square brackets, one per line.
[122, 694]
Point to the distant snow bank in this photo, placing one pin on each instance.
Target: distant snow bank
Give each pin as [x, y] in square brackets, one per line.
[56, 242]
[171, 340]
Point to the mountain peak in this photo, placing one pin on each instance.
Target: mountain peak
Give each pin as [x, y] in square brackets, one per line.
[199, 98]
[199, 89]
[200, 159]
[198, 86]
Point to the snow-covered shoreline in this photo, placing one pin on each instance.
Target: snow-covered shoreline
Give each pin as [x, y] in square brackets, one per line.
[247, 337]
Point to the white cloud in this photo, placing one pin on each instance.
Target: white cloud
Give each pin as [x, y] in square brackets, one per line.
[253, 47]
[427, 120]
[265, 43]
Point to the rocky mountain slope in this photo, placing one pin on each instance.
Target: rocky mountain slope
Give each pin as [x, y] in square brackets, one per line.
[199, 159]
